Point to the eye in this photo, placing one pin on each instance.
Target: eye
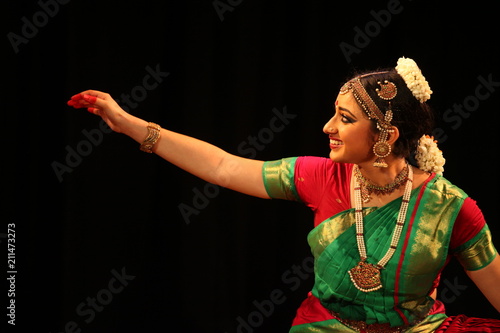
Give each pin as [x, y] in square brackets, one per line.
[345, 119]
[345, 115]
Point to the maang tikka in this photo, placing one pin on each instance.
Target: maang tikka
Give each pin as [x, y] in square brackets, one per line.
[387, 91]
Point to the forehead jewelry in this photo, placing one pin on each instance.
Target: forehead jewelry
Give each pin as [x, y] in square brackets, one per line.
[387, 91]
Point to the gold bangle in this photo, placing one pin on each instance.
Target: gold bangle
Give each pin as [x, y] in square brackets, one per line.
[152, 138]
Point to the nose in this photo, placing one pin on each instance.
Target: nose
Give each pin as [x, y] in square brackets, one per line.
[329, 127]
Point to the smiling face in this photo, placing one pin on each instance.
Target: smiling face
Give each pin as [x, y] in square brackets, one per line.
[351, 132]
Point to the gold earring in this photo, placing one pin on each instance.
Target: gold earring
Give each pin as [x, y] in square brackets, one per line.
[381, 149]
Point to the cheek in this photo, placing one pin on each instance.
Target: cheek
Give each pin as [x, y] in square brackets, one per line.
[370, 139]
[362, 141]
[368, 134]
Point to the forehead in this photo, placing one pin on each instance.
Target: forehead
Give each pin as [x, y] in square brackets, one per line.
[347, 101]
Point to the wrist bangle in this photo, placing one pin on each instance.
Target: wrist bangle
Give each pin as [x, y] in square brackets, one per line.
[152, 138]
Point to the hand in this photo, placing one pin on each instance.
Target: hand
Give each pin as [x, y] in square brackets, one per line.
[103, 105]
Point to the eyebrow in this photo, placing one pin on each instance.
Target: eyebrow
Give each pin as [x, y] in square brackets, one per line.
[347, 110]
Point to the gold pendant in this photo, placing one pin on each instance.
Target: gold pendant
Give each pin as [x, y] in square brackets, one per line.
[365, 276]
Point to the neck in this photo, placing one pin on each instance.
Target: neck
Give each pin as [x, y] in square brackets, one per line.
[382, 176]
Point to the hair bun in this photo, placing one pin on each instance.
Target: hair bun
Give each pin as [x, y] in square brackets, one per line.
[429, 157]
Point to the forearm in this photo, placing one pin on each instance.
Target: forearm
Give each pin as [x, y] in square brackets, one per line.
[202, 159]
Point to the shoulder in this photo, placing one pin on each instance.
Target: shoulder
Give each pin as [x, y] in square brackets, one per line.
[319, 178]
[322, 165]
[443, 186]
[469, 220]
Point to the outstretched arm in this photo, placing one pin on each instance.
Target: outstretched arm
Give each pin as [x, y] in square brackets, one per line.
[197, 157]
[487, 280]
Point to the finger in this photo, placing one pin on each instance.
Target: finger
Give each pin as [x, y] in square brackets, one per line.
[95, 101]
[82, 100]
[90, 99]
[77, 101]
[93, 110]
[96, 93]
[75, 104]
[76, 97]
[78, 104]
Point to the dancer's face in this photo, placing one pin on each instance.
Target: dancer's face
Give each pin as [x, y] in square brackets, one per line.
[350, 132]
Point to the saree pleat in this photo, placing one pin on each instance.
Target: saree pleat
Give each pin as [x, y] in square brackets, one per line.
[313, 317]
[336, 251]
[464, 324]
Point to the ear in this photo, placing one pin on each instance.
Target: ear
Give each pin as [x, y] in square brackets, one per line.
[393, 135]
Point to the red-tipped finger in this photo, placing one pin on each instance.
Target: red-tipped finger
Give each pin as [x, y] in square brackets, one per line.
[93, 110]
[89, 98]
[76, 105]
[76, 97]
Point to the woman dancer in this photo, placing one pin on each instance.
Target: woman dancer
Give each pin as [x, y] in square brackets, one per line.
[384, 229]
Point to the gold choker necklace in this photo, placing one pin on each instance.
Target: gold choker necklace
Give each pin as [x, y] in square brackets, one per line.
[367, 187]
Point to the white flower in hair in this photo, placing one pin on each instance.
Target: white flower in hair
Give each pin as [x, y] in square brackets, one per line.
[428, 156]
[414, 79]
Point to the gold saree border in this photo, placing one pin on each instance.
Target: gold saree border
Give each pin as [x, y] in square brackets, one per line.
[327, 326]
[429, 324]
[279, 179]
[478, 252]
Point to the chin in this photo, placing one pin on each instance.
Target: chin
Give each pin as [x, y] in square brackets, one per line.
[341, 158]
[335, 157]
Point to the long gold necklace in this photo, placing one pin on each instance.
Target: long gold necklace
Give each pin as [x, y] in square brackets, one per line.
[366, 276]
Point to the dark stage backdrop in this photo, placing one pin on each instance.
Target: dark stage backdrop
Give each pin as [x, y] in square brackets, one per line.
[110, 239]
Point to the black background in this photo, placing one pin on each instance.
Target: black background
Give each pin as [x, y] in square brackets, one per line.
[118, 209]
